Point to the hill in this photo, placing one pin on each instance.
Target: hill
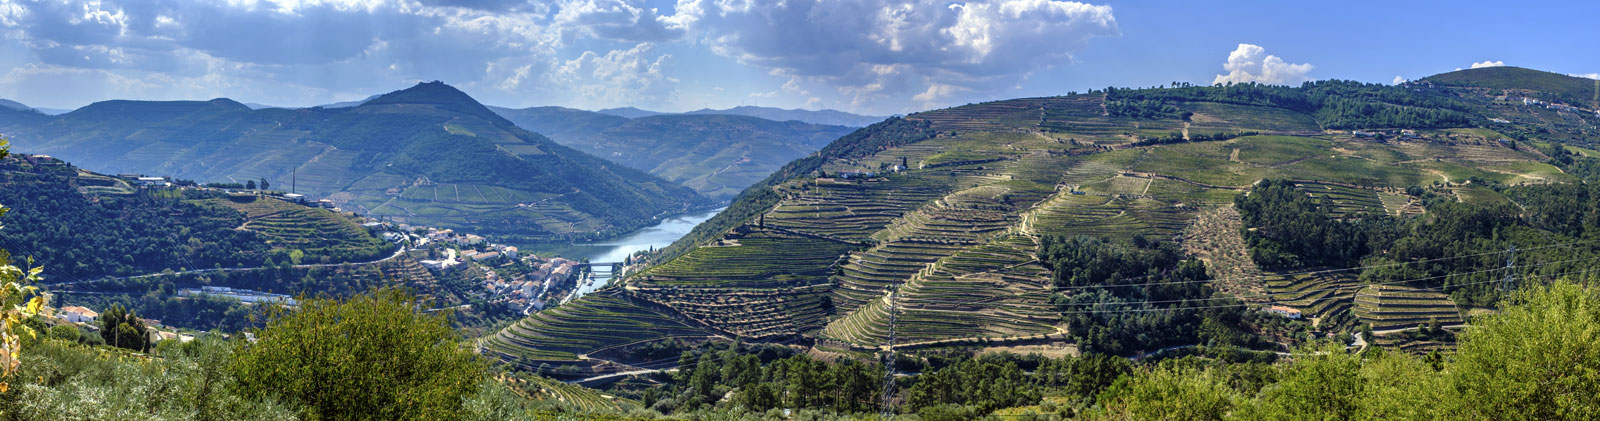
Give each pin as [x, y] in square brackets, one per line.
[960, 236]
[716, 155]
[823, 117]
[630, 112]
[84, 225]
[427, 155]
[1541, 84]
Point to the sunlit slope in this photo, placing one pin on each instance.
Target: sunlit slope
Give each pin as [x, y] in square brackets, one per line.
[955, 231]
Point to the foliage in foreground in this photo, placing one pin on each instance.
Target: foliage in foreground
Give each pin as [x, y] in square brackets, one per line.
[1538, 359]
[371, 356]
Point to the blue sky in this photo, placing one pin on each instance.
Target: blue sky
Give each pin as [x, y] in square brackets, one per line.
[866, 56]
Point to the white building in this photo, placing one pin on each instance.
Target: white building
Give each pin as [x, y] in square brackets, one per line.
[76, 314]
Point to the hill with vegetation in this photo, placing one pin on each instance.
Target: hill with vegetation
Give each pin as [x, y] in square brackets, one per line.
[1102, 222]
[427, 155]
[1542, 85]
[716, 155]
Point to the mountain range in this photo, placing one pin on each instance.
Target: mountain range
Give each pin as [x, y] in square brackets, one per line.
[427, 155]
[718, 155]
[825, 116]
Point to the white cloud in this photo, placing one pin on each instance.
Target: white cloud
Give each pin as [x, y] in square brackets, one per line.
[1251, 63]
[630, 76]
[1487, 63]
[871, 55]
[301, 52]
[1398, 80]
[1595, 76]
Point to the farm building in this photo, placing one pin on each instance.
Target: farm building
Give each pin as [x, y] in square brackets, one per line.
[1284, 311]
[76, 314]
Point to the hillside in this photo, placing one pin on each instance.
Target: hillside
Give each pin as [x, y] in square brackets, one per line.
[814, 250]
[426, 155]
[1543, 85]
[716, 155]
[84, 225]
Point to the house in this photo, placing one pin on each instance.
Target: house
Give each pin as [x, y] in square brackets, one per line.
[325, 203]
[509, 251]
[441, 264]
[488, 256]
[76, 314]
[152, 182]
[470, 240]
[1284, 311]
[295, 197]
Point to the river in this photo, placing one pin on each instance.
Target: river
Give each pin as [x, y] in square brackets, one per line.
[655, 236]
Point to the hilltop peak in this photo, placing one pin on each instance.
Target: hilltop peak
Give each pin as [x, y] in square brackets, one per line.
[435, 94]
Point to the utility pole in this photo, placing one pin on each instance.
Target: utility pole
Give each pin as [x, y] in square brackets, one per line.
[888, 377]
[294, 179]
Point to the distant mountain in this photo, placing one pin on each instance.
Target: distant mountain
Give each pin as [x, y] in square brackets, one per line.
[630, 112]
[717, 155]
[831, 117]
[828, 117]
[427, 155]
[52, 111]
[14, 113]
[13, 105]
[348, 104]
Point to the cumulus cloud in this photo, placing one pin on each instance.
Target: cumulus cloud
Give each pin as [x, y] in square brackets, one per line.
[1595, 76]
[1251, 63]
[1398, 80]
[869, 54]
[619, 76]
[298, 51]
[1487, 63]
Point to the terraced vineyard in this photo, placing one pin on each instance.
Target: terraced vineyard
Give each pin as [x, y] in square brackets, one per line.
[573, 397]
[907, 246]
[1395, 307]
[315, 231]
[993, 290]
[1347, 201]
[603, 319]
[850, 210]
[952, 232]
[757, 283]
[1317, 296]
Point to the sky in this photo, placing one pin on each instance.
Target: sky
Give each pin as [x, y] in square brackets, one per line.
[865, 56]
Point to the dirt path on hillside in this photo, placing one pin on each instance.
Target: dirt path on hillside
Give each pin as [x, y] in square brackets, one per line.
[1215, 238]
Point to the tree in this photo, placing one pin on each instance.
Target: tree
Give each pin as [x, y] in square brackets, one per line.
[251, 184]
[1171, 394]
[264, 183]
[18, 302]
[1539, 358]
[123, 329]
[372, 356]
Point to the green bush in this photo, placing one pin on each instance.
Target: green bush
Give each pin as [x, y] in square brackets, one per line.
[370, 357]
